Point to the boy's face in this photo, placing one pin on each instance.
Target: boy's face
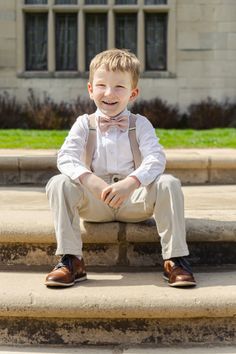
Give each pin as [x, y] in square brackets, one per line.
[111, 91]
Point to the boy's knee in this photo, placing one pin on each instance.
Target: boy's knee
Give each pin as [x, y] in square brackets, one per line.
[58, 183]
[168, 182]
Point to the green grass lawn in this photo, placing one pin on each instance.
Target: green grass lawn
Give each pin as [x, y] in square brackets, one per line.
[171, 138]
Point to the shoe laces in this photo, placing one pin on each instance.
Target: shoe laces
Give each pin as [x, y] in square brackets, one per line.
[65, 262]
[183, 263]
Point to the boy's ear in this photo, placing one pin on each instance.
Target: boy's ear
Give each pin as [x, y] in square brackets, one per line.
[90, 89]
[134, 94]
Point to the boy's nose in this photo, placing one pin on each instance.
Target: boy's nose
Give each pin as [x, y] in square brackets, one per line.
[108, 91]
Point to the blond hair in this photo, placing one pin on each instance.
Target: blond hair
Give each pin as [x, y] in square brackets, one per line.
[116, 59]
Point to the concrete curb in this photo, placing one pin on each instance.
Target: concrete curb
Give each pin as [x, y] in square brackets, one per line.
[190, 165]
[27, 232]
[37, 227]
[131, 295]
[210, 213]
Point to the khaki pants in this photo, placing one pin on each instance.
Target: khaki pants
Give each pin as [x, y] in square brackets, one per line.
[163, 199]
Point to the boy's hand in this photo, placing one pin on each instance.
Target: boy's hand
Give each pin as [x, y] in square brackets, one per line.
[115, 194]
[93, 183]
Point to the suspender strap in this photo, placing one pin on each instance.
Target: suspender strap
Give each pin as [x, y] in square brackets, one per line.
[133, 141]
[91, 142]
[92, 139]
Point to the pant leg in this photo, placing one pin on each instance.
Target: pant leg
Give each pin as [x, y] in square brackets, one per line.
[64, 198]
[164, 200]
[169, 216]
[70, 201]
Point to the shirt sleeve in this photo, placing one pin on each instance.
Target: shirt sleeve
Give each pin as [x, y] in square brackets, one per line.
[70, 156]
[153, 156]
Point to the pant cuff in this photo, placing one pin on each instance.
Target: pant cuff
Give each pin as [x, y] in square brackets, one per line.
[61, 252]
[175, 253]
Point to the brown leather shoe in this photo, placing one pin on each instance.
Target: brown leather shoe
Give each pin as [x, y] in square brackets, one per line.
[67, 272]
[177, 274]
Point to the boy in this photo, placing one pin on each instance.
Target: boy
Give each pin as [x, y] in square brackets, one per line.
[111, 187]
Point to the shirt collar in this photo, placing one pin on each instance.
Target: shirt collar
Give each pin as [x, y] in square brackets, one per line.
[126, 112]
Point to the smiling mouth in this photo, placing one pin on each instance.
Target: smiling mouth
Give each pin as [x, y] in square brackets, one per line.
[109, 103]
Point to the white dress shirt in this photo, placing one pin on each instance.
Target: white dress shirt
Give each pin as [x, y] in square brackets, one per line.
[113, 154]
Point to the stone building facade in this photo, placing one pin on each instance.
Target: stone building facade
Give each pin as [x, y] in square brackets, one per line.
[187, 47]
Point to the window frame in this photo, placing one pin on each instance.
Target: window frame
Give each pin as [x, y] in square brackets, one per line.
[81, 9]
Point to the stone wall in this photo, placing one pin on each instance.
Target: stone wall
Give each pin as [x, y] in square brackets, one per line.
[205, 52]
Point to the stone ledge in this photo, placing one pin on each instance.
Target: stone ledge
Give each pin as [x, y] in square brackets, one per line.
[27, 232]
[37, 227]
[130, 295]
[115, 244]
[182, 159]
[129, 349]
[190, 165]
[209, 210]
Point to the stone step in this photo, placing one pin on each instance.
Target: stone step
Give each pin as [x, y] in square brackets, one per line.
[203, 349]
[27, 232]
[192, 166]
[126, 309]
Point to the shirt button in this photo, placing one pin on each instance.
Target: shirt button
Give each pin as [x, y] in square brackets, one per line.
[115, 179]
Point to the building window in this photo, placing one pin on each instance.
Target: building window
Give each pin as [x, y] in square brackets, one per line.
[95, 2]
[35, 2]
[64, 35]
[126, 31]
[96, 35]
[66, 42]
[36, 41]
[66, 2]
[155, 40]
[155, 2]
[126, 2]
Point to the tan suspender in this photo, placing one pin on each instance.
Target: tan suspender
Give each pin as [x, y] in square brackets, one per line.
[133, 141]
[92, 138]
[91, 142]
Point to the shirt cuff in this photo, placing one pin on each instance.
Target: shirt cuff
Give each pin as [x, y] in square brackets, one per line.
[76, 174]
[136, 179]
[144, 178]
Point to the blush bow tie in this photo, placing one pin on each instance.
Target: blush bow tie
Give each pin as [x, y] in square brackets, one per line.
[105, 123]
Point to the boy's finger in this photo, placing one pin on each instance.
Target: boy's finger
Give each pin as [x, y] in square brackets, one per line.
[115, 202]
[109, 198]
[105, 193]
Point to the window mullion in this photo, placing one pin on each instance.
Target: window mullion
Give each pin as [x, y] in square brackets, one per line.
[20, 37]
[111, 28]
[171, 38]
[81, 41]
[51, 38]
[141, 36]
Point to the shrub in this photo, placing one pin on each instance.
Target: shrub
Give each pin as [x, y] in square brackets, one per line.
[11, 113]
[160, 113]
[47, 114]
[209, 114]
[83, 105]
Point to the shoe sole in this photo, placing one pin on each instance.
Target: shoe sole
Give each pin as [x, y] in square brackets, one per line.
[63, 285]
[180, 284]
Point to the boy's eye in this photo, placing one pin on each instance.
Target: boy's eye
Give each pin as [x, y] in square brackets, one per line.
[100, 85]
[120, 86]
